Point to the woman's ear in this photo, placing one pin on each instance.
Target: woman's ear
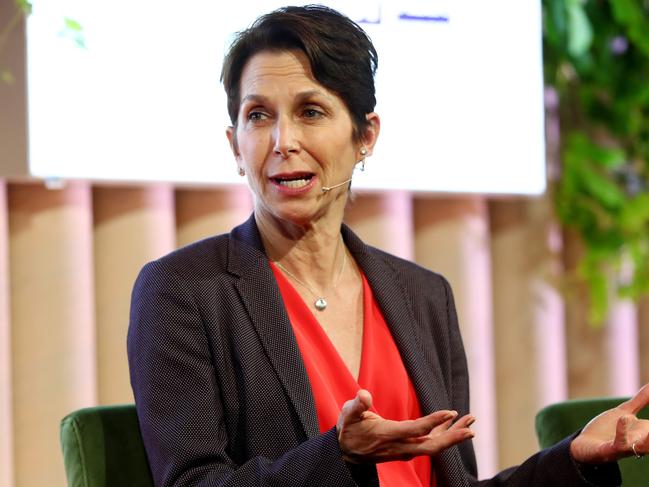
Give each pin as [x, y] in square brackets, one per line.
[231, 134]
[371, 133]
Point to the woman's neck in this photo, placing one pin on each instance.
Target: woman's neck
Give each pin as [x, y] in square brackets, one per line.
[312, 253]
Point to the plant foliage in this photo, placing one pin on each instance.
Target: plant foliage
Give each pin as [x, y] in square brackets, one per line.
[596, 55]
[71, 29]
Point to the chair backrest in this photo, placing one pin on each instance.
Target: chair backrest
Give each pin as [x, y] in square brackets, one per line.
[555, 422]
[102, 447]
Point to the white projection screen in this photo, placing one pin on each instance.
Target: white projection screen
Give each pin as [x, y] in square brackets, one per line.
[459, 90]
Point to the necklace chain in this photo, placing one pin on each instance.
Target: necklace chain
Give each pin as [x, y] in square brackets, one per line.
[320, 302]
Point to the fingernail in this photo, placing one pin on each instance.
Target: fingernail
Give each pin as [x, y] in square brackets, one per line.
[470, 422]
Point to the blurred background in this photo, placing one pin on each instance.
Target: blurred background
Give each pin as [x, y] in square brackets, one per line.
[514, 160]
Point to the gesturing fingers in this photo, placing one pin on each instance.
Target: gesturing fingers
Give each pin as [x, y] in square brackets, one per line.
[401, 430]
[621, 441]
[440, 440]
[441, 437]
[352, 410]
[612, 434]
[364, 436]
[631, 438]
[637, 436]
[637, 402]
[640, 447]
[464, 422]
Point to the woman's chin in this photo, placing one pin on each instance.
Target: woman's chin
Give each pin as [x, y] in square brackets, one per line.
[296, 215]
[298, 218]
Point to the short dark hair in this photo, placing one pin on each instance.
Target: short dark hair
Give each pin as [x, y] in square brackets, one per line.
[341, 55]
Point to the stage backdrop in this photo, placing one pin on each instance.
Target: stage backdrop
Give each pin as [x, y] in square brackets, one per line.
[68, 258]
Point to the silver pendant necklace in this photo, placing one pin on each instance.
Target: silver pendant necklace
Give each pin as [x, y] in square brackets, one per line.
[321, 302]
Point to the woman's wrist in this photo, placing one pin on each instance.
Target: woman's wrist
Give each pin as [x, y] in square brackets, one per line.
[596, 474]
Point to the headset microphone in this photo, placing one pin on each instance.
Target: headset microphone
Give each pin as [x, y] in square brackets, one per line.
[326, 189]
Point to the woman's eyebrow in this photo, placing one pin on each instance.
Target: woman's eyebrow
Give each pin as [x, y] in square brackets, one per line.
[299, 98]
[305, 95]
[254, 98]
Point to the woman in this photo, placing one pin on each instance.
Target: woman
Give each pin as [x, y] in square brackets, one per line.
[290, 353]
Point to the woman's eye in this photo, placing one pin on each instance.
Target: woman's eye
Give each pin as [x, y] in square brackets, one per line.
[256, 116]
[312, 113]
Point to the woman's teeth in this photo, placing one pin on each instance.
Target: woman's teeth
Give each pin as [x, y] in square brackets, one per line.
[294, 183]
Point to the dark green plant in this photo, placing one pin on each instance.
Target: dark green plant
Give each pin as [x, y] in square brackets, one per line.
[596, 55]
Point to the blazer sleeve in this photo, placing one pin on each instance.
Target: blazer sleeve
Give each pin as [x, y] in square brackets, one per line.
[179, 404]
[552, 466]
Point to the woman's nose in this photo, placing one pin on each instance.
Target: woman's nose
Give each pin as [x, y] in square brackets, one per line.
[286, 138]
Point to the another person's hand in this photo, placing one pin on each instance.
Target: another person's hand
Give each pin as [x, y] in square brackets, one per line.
[615, 433]
[365, 437]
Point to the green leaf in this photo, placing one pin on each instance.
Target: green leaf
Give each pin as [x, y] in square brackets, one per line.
[72, 25]
[581, 159]
[630, 13]
[73, 30]
[606, 192]
[635, 214]
[554, 16]
[580, 32]
[598, 288]
[609, 157]
[627, 12]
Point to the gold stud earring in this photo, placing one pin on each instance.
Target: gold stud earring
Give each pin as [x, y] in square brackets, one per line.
[242, 171]
[363, 151]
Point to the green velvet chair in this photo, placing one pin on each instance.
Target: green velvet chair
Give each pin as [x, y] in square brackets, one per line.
[555, 422]
[102, 447]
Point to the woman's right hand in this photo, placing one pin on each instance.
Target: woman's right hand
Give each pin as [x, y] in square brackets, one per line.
[366, 437]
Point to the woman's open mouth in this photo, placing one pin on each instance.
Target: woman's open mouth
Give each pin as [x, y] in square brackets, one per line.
[293, 181]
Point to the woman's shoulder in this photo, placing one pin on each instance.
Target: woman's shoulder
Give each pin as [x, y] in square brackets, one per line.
[206, 257]
[415, 279]
[407, 267]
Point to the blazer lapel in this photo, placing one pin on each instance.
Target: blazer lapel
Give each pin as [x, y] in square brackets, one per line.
[426, 374]
[263, 301]
[397, 310]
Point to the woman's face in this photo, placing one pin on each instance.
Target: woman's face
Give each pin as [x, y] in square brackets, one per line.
[293, 137]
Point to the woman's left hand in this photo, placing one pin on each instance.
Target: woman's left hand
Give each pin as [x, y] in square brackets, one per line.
[615, 433]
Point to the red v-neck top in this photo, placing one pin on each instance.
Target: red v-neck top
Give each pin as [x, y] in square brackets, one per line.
[381, 372]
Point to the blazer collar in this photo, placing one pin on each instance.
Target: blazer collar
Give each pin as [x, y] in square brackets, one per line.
[262, 298]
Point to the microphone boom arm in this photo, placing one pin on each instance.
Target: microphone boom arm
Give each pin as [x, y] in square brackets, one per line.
[326, 189]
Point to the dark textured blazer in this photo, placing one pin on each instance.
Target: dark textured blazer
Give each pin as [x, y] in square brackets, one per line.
[223, 396]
